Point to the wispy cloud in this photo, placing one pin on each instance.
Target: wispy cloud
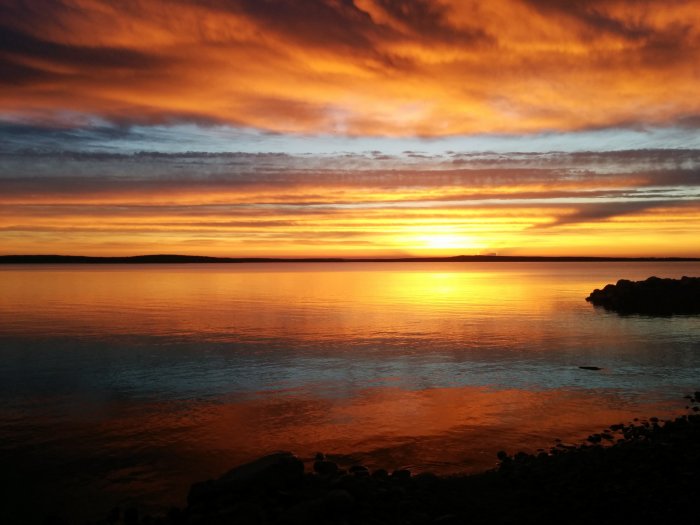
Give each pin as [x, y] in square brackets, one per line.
[364, 67]
[262, 204]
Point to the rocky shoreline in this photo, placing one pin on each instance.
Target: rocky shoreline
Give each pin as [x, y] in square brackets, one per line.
[640, 472]
[654, 296]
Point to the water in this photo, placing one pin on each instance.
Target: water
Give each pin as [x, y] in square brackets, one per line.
[124, 384]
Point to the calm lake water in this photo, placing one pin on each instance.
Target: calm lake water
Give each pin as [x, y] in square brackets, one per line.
[124, 384]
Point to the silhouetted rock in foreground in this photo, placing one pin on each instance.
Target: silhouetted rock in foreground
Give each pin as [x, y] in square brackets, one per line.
[630, 473]
[276, 472]
[655, 296]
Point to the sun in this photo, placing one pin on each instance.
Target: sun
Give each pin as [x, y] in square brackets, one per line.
[445, 241]
[442, 242]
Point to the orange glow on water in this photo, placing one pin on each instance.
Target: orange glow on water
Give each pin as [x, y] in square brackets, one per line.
[440, 430]
[160, 375]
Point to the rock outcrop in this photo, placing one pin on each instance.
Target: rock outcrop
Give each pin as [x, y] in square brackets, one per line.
[655, 296]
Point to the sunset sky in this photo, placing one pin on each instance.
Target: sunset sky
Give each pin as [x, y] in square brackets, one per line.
[350, 127]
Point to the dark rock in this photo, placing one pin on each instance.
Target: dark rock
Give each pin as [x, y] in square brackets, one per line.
[520, 456]
[359, 470]
[401, 474]
[654, 296]
[325, 468]
[308, 511]
[356, 486]
[275, 470]
[501, 454]
[448, 519]
[203, 493]
[590, 368]
[396, 493]
[114, 515]
[426, 479]
[338, 501]
[131, 516]
[242, 513]
[175, 515]
[380, 474]
[55, 519]
[272, 472]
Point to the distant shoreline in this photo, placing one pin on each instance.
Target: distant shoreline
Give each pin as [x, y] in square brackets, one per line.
[197, 259]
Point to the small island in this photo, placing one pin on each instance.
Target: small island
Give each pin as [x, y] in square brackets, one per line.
[654, 296]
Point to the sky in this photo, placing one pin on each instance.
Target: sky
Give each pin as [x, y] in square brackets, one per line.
[350, 128]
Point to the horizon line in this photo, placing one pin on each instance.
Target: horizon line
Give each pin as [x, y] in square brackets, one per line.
[200, 259]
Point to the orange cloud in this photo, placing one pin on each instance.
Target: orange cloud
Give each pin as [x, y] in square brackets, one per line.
[622, 203]
[368, 67]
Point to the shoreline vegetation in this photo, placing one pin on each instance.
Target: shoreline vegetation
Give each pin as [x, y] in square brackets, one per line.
[645, 471]
[199, 259]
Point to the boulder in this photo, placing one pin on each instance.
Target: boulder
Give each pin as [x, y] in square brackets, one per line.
[654, 296]
[274, 472]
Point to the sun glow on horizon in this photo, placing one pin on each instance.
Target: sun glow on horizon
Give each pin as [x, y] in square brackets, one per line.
[622, 204]
[439, 241]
